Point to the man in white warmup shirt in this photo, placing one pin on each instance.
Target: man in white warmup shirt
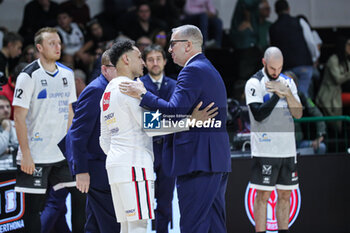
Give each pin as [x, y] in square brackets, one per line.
[44, 93]
[273, 102]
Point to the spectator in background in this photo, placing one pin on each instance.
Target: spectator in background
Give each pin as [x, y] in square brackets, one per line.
[71, 35]
[316, 53]
[143, 24]
[143, 42]
[289, 34]
[9, 88]
[160, 38]
[166, 10]
[94, 45]
[264, 25]
[80, 81]
[336, 73]
[202, 13]
[311, 110]
[37, 14]
[78, 10]
[12, 48]
[245, 37]
[29, 54]
[8, 136]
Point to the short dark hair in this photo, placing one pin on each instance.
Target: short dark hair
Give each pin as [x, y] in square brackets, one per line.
[141, 3]
[64, 11]
[2, 97]
[119, 48]
[18, 69]
[11, 37]
[151, 48]
[281, 6]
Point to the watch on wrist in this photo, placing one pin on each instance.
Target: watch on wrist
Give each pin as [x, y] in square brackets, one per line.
[142, 95]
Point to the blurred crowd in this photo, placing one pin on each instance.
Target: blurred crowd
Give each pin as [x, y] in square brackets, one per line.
[84, 38]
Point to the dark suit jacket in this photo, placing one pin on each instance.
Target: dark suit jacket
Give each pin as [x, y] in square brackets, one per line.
[197, 149]
[82, 147]
[165, 92]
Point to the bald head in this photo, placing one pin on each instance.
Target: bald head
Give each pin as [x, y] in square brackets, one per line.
[273, 62]
[273, 53]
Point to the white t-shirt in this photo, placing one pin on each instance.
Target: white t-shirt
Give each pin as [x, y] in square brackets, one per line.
[72, 41]
[274, 136]
[123, 138]
[47, 98]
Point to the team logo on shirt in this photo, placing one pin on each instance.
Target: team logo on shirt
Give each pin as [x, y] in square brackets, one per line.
[266, 169]
[271, 220]
[38, 172]
[65, 82]
[264, 138]
[106, 100]
[42, 94]
[151, 120]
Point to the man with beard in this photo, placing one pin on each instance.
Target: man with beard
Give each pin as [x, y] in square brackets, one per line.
[160, 85]
[273, 102]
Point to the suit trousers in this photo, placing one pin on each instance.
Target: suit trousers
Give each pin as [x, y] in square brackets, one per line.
[202, 202]
[100, 215]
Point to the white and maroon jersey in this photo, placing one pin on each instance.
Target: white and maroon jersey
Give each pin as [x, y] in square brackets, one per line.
[274, 136]
[122, 138]
[47, 97]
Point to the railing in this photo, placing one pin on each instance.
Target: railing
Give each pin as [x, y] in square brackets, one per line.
[328, 137]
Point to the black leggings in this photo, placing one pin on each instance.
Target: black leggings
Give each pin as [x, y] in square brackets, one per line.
[35, 203]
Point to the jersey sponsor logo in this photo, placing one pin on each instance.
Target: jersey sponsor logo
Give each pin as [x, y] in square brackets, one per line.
[151, 120]
[36, 138]
[114, 130]
[12, 207]
[43, 83]
[59, 95]
[65, 82]
[42, 94]
[110, 119]
[264, 138]
[271, 220]
[106, 100]
[130, 213]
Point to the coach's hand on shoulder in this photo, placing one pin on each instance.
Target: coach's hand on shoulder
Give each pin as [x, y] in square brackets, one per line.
[27, 164]
[133, 88]
[83, 182]
[204, 114]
